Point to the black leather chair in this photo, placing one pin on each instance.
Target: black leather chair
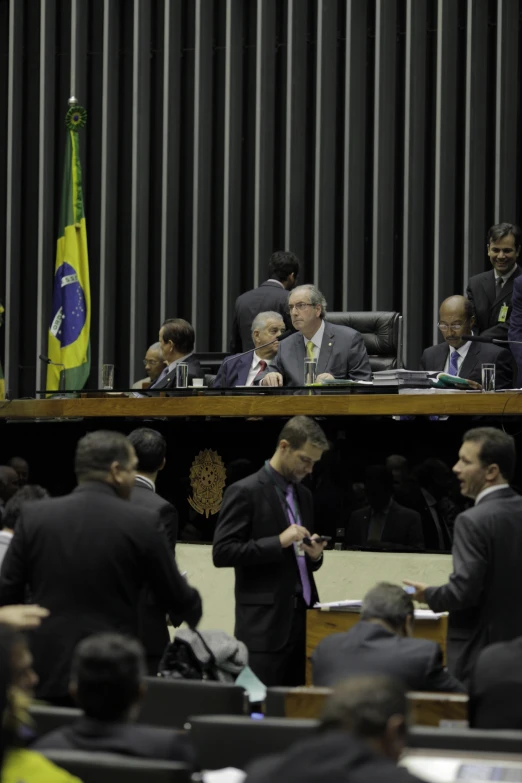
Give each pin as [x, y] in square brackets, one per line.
[169, 702]
[111, 768]
[210, 361]
[228, 741]
[47, 718]
[454, 739]
[382, 335]
[275, 702]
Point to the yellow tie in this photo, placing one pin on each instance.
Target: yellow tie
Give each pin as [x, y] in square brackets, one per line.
[310, 349]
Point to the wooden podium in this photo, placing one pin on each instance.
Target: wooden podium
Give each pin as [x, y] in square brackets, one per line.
[321, 623]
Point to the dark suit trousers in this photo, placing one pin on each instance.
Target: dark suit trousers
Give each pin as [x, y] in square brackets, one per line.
[285, 667]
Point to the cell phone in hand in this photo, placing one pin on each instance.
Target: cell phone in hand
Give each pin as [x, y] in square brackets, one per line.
[409, 589]
[309, 541]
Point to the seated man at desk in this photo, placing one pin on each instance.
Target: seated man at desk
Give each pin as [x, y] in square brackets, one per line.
[381, 643]
[383, 521]
[339, 350]
[177, 339]
[241, 370]
[456, 356]
[154, 364]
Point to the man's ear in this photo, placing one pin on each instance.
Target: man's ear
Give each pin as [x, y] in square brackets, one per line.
[73, 690]
[162, 464]
[492, 472]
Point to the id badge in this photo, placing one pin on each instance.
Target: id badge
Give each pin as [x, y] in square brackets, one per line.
[503, 313]
[299, 552]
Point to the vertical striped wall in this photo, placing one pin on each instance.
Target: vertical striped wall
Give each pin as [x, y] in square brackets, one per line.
[377, 139]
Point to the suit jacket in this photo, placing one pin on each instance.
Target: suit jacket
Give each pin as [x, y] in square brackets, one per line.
[86, 557]
[482, 595]
[129, 739]
[233, 372]
[496, 687]
[482, 293]
[269, 296]
[332, 756]
[434, 358]
[371, 649]
[515, 326]
[247, 539]
[169, 381]
[402, 527]
[342, 354]
[143, 495]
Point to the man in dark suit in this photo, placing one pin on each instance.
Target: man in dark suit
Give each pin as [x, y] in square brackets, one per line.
[339, 350]
[86, 558]
[490, 292]
[382, 643]
[241, 370]
[456, 356]
[383, 521]
[482, 595]
[515, 328]
[107, 684]
[260, 533]
[150, 448]
[283, 269]
[361, 737]
[177, 339]
[495, 689]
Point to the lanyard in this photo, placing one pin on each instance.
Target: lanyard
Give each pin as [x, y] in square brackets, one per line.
[290, 511]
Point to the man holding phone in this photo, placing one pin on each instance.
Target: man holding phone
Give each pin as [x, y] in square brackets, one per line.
[264, 532]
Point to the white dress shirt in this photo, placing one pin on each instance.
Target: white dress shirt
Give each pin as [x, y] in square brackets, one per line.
[489, 490]
[462, 352]
[145, 482]
[317, 339]
[273, 280]
[255, 368]
[504, 277]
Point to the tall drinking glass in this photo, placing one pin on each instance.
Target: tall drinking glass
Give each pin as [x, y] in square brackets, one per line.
[310, 371]
[488, 377]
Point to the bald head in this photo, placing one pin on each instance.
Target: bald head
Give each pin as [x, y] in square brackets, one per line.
[456, 319]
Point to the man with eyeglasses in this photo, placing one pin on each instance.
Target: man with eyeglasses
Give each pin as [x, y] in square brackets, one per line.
[154, 364]
[456, 356]
[339, 350]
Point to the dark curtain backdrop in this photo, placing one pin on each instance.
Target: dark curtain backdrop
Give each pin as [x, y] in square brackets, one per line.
[377, 139]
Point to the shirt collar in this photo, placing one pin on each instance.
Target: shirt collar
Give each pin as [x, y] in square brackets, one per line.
[463, 350]
[279, 479]
[273, 280]
[146, 481]
[177, 361]
[504, 277]
[317, 339]
[489, 490]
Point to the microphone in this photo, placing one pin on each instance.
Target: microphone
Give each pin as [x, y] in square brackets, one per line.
[495, 340]
[288, 333]
[46, 360]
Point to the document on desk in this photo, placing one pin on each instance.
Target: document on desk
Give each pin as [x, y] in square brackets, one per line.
[354, 605]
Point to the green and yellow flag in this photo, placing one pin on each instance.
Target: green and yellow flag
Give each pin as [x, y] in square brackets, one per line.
[71, 315]
[2, 383]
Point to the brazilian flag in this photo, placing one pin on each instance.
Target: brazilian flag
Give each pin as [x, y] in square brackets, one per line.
[69, 341]
[2, 384]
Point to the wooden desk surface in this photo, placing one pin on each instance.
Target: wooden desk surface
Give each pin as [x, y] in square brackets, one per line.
[456, 404]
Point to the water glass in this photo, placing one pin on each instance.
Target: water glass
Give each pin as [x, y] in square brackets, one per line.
[310, 371]
[107, 376]
[182, 375]
[488, 377]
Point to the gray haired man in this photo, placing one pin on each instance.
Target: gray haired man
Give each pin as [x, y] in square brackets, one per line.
[242, 370]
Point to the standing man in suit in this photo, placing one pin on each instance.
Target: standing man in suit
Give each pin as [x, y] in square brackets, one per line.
[382, 643]
[154, 364]
[86, 557]
[456, 356]
[515, 328]
[177, 339]
[283, 269]
[383, 521]
[490, 292]
[261, 526]
[339, 350]
[241, 370]
[483, 592]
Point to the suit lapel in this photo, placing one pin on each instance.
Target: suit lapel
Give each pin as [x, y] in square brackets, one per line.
[273, 498]
[243, 369]
[506, 290]
[468, 365]
[171, 376]
[441, 354]
[299, 357]
[327, 346]
[488, 283]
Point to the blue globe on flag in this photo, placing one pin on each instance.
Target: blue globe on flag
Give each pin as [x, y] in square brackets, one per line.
[69, 311]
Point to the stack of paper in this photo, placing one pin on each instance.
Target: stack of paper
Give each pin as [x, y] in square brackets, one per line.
[397, 377]
[354, 605]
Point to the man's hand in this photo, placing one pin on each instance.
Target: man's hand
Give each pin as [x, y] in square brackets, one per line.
[325, 376]
[23, 616]
[272, 379]
[418, 595]
[315, 551]
[292, 535]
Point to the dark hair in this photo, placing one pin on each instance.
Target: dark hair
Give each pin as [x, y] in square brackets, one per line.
[282, 264]
[496, 448]
[364, 705]
[181, 333]
[150, 447]
[300, 429]
[378, 475]
[13, 507]
[389, 603]
[501, 230]
[107, 669]
[96, 452]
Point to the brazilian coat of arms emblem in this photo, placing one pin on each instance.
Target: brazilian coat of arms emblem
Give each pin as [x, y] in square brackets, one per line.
[207, 479]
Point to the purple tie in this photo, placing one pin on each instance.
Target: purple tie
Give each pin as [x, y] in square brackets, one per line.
[453, 368]
[301, 561]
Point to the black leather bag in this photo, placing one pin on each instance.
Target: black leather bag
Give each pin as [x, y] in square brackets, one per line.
[180, 662]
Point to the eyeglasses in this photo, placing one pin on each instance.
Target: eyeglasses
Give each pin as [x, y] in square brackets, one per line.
[299, 306]
[151, 361]
[456, 327]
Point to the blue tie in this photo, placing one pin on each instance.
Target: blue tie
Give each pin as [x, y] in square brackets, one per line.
[453, 368]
